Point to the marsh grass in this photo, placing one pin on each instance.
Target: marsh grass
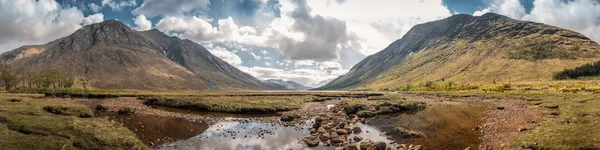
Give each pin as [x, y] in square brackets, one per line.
[29, 125]
[572, 125]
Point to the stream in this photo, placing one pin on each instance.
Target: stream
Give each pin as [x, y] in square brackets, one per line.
[444, 127]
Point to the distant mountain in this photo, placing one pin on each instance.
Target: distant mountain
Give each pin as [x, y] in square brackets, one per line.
[287, 84]
[112, 56]
[471, 49]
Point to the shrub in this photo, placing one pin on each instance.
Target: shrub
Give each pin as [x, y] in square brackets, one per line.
[581, 71]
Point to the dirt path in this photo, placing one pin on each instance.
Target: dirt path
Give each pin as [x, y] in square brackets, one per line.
[504, 120]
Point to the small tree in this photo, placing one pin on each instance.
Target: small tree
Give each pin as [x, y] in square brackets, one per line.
[9, 78]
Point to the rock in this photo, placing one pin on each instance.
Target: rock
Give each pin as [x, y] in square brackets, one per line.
[391, 148]
[340, 139]
[327, 127]
[351, 146]
[469, 148]
[521, 129]
[126, 110]
[311, 141]
[339, 148]
[342, 125]
[403, 146]
[342, 131]
[357, 138]
[289, 117]
[380, 145]
[333, 135]
[320, 119]
[366, 144]
[313, 130]
[499, 108]
[408, 133]
[321, 130]
[418, 147]
[101, 107]
[324, 137]
[356, 129]
[551, 106]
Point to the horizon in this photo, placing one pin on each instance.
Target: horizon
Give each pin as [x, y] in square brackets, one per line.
[272, 39]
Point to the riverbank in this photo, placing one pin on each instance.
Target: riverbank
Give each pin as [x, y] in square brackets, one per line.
[27, 122]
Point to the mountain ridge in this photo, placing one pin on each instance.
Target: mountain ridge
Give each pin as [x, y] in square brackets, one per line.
[113, 56]
[287, 84]
[450, 43]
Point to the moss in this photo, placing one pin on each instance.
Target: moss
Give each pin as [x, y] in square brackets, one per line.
[391, 103]
[78, 111]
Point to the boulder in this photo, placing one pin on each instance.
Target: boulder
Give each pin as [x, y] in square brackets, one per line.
[357, 138]
[351, 146]
[311, 141]
[342, 131]
[366, 144]
[321, 130]
[380, 145]
[289, 117]
[356, 129]
[324, 137]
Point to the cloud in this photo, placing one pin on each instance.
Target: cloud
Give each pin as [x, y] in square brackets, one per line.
[307, 77]
[579, 15]
[142, 23]
[117, 5]
[26, 22]
[225, 55]
[95, 18]
[153, 8]
[94, 8]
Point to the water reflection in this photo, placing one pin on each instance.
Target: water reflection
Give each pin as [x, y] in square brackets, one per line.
[234, 134]
[445, 127]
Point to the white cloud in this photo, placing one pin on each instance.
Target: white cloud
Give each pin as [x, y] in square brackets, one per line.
[307, 77]
[579, 15]
[26, 22]
[152, 8]
[225, 55]
[95, 18]
[117, 5]
[142, 23]
[95, 8]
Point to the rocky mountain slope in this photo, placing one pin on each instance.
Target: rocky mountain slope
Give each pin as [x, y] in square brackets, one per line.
[110, 55]
[471, 49]
[287, 84]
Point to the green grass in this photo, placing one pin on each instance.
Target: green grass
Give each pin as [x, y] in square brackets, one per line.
[391, 103]
[28, 125]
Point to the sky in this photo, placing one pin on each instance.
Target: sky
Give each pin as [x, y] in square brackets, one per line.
[307, 41]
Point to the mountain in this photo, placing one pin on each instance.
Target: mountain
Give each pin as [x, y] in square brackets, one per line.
[110, 55]
[287, 84]
[471, 49]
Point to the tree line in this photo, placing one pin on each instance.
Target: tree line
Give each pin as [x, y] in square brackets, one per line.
[45, 78]
[581, 71]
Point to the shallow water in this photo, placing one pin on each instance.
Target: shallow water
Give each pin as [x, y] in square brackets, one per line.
[445, 127]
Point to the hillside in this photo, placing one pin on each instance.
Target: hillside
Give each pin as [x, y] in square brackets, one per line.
[110, 55]
[471, 49]
[287, 84]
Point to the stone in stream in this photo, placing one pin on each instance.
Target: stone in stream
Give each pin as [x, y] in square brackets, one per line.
[342, 131]
[357, 138]
[311, 141]
[380, 145]
[289, 117]
[321, 130]
[356, 129]
[340, 139]
[366, 144]
[342, 125]
[333, 135]
[324, 137]
[351, 146]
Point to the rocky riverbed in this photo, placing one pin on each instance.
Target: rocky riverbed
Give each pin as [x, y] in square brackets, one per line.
[445, 123]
